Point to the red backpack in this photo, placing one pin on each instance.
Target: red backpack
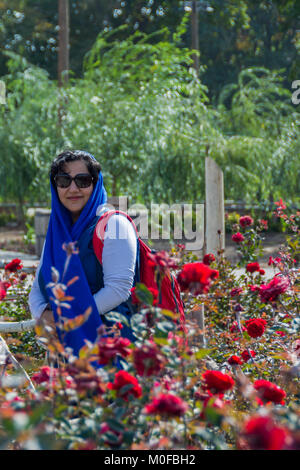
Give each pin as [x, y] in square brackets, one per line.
[169, 294]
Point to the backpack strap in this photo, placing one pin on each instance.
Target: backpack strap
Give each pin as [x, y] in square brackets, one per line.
[99, 232]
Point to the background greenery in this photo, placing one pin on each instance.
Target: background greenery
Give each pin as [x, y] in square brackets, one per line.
[135, 101]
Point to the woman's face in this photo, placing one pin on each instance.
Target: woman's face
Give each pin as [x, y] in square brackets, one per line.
[73, 198]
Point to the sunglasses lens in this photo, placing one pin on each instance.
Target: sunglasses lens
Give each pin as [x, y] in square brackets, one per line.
[83, 181]
[63, 181]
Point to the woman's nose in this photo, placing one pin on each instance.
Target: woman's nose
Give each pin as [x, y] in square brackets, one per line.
[73, 186]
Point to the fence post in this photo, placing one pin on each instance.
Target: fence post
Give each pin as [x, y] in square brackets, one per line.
[214, 207]
[41, 220]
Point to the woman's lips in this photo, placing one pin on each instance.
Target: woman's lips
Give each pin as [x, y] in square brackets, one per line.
[75, 198]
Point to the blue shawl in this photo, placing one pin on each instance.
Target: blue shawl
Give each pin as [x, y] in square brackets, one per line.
[63, 274]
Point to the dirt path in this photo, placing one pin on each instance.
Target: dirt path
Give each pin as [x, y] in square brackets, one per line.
[12, 240]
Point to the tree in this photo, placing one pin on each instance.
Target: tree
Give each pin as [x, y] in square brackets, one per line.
[28, 133]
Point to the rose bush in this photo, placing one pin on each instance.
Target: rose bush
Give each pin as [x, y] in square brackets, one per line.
[232, 385]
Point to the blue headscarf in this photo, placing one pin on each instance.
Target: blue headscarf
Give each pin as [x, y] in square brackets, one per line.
[59, 244]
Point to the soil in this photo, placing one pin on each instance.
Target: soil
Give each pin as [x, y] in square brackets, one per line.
[12, 240]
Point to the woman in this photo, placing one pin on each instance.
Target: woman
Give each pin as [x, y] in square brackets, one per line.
[70, 280]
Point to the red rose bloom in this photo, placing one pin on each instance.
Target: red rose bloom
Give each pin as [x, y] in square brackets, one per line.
[196, 277]
[255, 288]
[14, 265]
[255, 327]
[109, 348]
[148, 360]
[234, 361]
[3, 288]
[271, 291]
[268, 391]
[236, 291]
[162, 260]
[217, 382]
[274, 261]
[208, 258]
[136, 300]
[252, 267]
[246, 356]
[237, 237]
[44, 375]
[168, 405]
[262, 433]
[122, 379]
[245, 221]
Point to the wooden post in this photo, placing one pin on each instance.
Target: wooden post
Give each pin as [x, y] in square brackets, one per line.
[214, 208]
[197, 315]
[41, 221]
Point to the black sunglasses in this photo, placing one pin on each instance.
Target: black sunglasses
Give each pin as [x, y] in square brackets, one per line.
[82, 180]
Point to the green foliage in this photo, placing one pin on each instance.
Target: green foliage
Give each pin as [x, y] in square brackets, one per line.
[27, 131]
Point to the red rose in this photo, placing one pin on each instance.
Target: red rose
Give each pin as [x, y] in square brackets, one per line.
[109, 348]
[14, 265]
[237, 237]
[271, 291]
[255, 288]
[216, 381]
[255, 327]
[252, 267]
[246, 356]
[234, 360]
[148, 360]
[124, 379]
[44, 375]
[236, 291]
[136, 300]
[208, 258]
[268, 391]
[263, 224]
[262, 433]
[162, 260]
[112, 437]
[3, 288]
[196, 277]
[167, 404]
[245, 221]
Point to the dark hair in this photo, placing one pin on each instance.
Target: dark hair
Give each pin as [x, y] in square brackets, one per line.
[93, 166]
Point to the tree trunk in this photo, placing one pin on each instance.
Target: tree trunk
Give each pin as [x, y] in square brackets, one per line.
[63, 41]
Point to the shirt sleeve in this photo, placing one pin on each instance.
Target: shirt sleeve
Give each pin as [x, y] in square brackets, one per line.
[36, 301]
[118, 263]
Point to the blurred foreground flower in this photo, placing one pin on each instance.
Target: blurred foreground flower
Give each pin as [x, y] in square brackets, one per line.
[148, 360]
[125, 385]
[111, 347]
[269, 392]
[262, 433]
[217, 382]
[168, 405]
